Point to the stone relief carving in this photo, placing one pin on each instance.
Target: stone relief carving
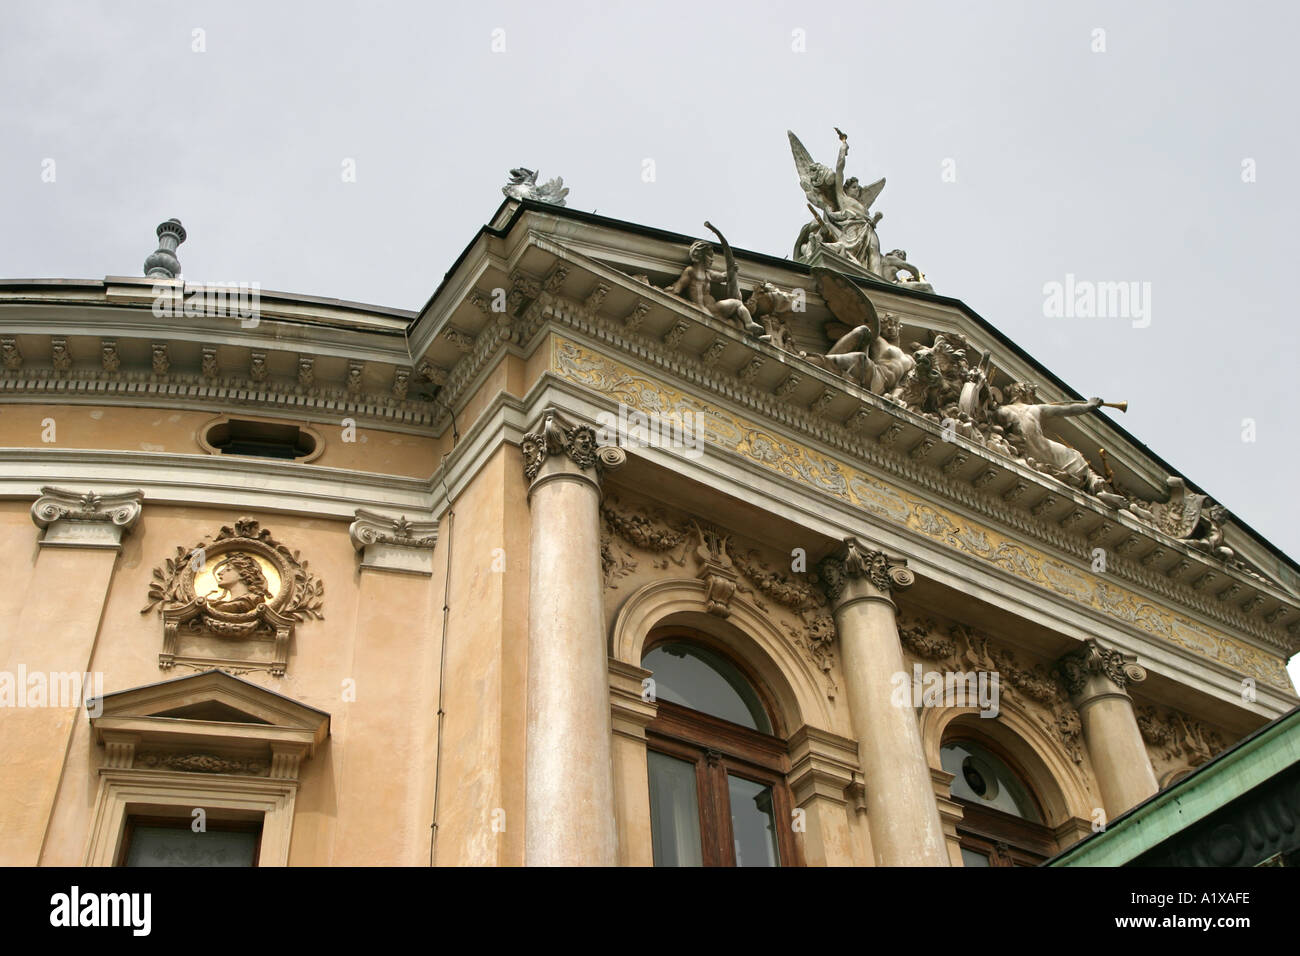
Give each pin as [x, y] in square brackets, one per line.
[576, 442]
[725, 568]
[884, 572]
[202, 763]
[1178, 737]
[10, 355]
[1076, 667]
[230, 595]
[1033, 686]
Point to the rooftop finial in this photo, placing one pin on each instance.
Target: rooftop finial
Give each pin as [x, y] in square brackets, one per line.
[163, 262]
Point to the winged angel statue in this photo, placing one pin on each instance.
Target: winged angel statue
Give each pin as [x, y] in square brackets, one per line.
[523, 185]
[842, 221]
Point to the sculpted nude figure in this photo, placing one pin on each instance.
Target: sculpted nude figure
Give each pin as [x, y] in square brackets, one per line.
[1023, 418]
[695, 284]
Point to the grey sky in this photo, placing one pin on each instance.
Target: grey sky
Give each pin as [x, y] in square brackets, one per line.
[1116, 165]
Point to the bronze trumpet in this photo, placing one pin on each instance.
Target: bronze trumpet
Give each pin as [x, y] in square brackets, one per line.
[1122, 406]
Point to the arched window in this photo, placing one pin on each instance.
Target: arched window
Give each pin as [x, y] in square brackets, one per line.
[1002, 823]
[717, 771]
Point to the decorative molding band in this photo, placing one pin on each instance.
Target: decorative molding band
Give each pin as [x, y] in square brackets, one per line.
[70, 519]
[394, 544]
[858, 487]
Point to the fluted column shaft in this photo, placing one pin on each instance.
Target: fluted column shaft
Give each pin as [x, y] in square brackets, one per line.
[569, 788]
[901, 808]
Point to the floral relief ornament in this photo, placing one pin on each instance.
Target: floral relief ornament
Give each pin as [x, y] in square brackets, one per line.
[242, 586]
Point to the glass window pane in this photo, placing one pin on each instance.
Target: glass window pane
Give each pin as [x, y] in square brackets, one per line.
[753, 823]
[674, 811]
[701, 680]
[983, 778]
[181, 846]
[971, 858]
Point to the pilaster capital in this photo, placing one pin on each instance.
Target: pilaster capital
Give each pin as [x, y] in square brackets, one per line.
[560, 447]
[70, 519]
[878, 573]
[1095, 670]
[393, 544]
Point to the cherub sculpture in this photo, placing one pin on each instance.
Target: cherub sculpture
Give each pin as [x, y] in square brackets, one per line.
[523, 185]
[696, 281]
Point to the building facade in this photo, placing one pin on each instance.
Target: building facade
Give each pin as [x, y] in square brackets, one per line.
[599, 558]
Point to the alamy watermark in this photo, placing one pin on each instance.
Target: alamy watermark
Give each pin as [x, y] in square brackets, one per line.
[923, 688]
[226, 300]
[631, 428]
[1085, 299]
[52, 689]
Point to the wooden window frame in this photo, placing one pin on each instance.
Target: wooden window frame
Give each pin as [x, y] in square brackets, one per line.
[718, 748]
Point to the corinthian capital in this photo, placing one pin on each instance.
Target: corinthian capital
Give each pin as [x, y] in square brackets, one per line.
[577, 443]
[858, 562]
[1095, 669]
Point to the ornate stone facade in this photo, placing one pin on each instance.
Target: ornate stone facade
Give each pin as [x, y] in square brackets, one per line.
[588, 443]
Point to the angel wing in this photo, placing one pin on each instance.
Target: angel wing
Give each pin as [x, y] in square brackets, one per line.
[868, 194]
[847, 303]
[803, 164]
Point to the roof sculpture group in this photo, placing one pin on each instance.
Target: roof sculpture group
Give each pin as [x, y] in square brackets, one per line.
[942, 377]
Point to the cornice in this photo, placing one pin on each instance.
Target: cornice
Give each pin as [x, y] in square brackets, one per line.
[223, 393]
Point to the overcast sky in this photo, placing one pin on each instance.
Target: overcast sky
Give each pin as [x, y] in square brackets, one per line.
[1121, 155]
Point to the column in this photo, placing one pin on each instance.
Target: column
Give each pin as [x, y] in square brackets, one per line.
[902, 814]
[569, 787]
[1096, 678]
[389, 736]
[50, 656]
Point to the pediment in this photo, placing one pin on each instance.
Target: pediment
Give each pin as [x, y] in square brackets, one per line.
[212, 709]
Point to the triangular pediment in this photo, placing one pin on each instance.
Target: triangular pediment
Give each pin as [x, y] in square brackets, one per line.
[210, 697]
